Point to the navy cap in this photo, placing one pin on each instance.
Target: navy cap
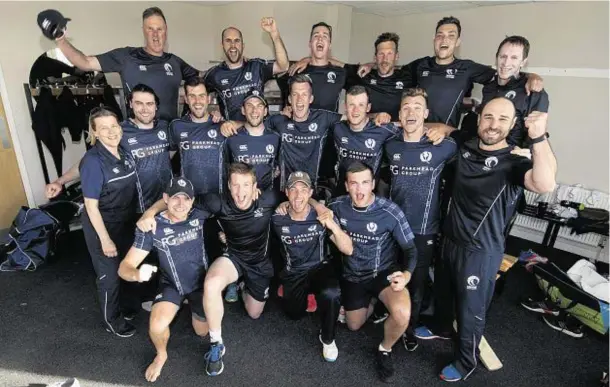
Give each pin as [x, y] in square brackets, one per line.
[296, 177]
[180, 185]
[253, 93]
[52, 23]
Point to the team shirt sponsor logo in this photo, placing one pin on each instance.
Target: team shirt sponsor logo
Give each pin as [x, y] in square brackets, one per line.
[248, 76]
[399, 85]
[168, 69]
[425, 157]
[142, 68]
[451, 73]
[331, 77]
[511, 94]
[148, 151]
[162, 136]
[132, 141]
[472, 282]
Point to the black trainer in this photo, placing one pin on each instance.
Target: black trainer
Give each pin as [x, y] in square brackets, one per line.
[544, 306]
[568, 325]
[409, 341]
[122, 329]
[213, 359]
[385, 366]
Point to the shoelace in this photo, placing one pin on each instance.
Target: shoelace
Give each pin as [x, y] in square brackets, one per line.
[214, 353]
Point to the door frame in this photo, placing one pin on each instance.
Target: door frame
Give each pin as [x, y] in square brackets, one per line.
[25, 180]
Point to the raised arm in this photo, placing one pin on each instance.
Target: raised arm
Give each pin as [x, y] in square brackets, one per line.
[76, 57]
[541, 178]
[281, 55]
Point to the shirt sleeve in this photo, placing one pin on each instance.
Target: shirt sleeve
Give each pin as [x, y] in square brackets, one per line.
[92, 178]
[408, 73]
[539, 101]
[269, 199]
[351, 75]
[520, 167]
[272, 123]
[201, 213]
[210, 203]
[174, 140]
[143, 240]
[404, 237]
[113, 61]
[266, 70]
[333, 118]
[481, 74]
[187, 70]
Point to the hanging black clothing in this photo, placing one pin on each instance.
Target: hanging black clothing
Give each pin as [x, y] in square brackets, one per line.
[47, 128]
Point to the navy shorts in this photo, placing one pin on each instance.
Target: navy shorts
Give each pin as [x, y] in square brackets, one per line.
[357, 295]
[256, 276]
[170, 294]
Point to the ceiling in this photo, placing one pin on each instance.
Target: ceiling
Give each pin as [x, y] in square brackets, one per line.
[397, 8]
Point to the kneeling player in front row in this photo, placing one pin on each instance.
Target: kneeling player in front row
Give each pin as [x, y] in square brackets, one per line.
[303, 235]
[383, 259]
[178, 240]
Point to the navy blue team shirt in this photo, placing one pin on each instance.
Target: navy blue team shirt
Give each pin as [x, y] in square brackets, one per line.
[180, 248]
[302, 143]
[303, 242]
[486, 190]
[150, 150]
[381, 237]
[231, 85]
[163, 73]
[201, 147]
[112, 182]
[365, 146]
[259, 151]
[415, 169]
[328, 81]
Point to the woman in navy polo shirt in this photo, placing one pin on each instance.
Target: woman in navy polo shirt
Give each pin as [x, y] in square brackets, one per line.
[112, 196]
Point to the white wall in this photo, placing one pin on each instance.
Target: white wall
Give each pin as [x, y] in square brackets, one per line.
[95, 28]
[562, 35]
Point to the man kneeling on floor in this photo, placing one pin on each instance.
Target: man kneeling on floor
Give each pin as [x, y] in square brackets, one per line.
[303, 235]
[383, 259]
[178, 239]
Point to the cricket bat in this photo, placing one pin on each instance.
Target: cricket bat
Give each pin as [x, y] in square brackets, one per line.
[487, 355]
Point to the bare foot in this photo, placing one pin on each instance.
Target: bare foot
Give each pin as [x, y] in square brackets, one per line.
[154, 369]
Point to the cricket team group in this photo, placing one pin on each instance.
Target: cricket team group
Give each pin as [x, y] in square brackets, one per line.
[346, 213]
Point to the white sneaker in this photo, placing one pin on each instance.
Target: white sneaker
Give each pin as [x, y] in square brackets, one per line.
[329, 351]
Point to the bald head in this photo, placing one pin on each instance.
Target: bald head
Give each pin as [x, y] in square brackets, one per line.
[496, 120]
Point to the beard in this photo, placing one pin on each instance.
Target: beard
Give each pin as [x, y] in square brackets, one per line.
[492, 136]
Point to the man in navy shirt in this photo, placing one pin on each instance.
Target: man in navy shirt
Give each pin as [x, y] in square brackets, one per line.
[255, 144]
[178, 241]
[306, 269]
[199, 141]
[358, 139]
[235, 76]
[510, 82]
[488, 182]
[416, 165]
[149, 65]
[382, 262]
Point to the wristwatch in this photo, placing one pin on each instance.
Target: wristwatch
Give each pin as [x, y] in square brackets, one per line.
[539, 139]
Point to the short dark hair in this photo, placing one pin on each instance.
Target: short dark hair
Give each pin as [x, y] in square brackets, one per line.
[387, 37]
[301, 78]
[517, 41]
[322, 24]
[358, 166]
[450, 20]
[193, 82]
[241, 169]
[414, 92]
[153, 11]
[357, 90]
[142, 88]
[222, 35]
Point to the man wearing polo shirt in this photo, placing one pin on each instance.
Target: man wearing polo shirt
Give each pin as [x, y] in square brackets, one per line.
[149, 65]
[236, 76]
